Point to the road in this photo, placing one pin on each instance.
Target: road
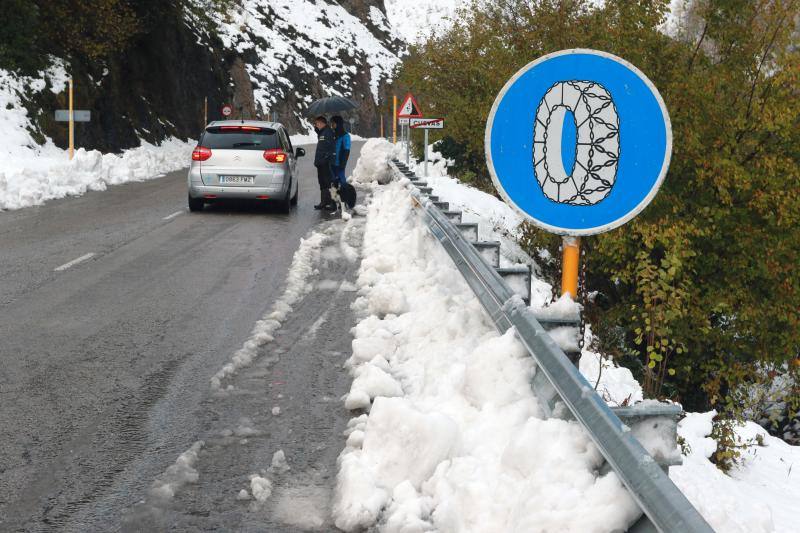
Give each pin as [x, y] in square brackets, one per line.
[116, 309]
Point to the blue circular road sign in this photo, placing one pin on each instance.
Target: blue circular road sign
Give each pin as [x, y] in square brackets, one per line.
[578, 141]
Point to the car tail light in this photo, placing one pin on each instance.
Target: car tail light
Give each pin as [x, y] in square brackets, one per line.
[275, 155]
[201, 153]
[240, 128]
[262, 197]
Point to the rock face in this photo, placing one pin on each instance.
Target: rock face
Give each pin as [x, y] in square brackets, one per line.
[264, 57]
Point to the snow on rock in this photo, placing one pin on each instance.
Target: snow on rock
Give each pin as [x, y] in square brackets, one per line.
[461, 448]
[297, 286]
[300, 38]
[373, 164]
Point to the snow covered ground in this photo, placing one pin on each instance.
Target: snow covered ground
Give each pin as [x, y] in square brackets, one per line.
[451, 437]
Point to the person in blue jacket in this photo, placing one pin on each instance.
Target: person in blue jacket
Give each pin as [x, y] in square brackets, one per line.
[343, 145]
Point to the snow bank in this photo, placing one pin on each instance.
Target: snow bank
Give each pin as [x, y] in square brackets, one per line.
[763, 494]
[34, 180]
[31, 174]
[373, 164]
[459, 444]
[297, 286]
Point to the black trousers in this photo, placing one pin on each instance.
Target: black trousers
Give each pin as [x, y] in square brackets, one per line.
[324, 177]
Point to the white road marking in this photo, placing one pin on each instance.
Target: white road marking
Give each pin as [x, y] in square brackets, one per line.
[173, 215]
[74, 262]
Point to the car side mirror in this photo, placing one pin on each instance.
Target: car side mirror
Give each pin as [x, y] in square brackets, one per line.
[300, 152]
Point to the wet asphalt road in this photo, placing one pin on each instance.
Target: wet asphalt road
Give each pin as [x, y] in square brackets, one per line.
[105, 365]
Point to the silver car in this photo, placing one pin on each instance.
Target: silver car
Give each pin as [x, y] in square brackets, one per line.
[244, 159]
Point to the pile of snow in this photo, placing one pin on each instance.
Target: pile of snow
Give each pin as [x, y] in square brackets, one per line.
[177, 475]
[33, 180]
[373, 164]
[454, 439]
[297, 286]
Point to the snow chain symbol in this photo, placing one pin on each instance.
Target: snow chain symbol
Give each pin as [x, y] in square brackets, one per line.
[596, 151]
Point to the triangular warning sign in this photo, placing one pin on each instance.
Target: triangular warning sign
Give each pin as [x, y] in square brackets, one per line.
[410, 108]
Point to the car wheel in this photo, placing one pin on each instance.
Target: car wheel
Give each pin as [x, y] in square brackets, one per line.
[196, 204]
[296, 194]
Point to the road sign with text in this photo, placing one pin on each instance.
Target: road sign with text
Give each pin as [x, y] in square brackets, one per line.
[426, 123]
[78, 115]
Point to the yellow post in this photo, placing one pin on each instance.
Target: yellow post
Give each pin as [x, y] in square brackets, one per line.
[71, 124]
[570, 265]
[205, 111]
[381, 124]
[394, 121]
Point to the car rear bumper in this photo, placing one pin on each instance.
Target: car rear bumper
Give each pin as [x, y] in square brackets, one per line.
[205, 191]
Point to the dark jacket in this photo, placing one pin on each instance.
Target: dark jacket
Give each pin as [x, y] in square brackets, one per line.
[326, 148]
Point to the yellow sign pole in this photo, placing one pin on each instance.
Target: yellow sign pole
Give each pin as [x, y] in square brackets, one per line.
[381, 124]
[570, 265]
[71, 124]
[394, 121]
[205, 111]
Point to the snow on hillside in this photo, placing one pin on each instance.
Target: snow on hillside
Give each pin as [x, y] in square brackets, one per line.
[296, 39]
[414, 21]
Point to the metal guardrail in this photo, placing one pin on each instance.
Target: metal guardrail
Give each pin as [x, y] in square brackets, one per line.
[665, 507]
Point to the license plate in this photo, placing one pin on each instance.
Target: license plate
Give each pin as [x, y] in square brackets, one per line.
[237, 179]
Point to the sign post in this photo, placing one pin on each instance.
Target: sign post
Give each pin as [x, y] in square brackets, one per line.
[394, 121]
[579, 142]
[71, 116]
[71, 123]
[426, 124]
[409, 109]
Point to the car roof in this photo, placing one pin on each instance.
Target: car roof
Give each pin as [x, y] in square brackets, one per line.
[260, 123]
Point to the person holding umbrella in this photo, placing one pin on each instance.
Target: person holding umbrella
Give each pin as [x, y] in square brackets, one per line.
[324, 159]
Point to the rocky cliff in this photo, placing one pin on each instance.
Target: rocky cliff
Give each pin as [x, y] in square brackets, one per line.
[265, 57]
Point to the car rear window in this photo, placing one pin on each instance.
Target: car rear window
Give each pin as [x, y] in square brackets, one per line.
[238, 138]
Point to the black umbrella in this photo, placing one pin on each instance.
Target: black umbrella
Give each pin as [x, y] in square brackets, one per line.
[330, 104]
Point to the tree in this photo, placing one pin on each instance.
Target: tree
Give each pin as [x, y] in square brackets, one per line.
[19, 37]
